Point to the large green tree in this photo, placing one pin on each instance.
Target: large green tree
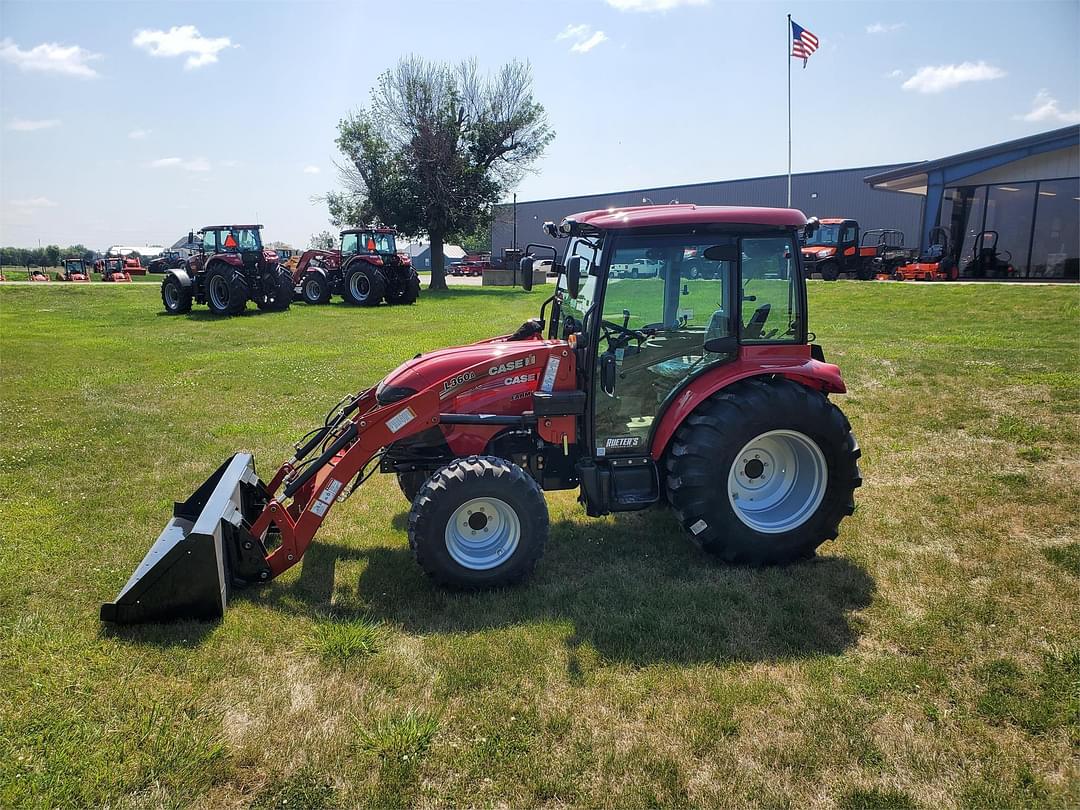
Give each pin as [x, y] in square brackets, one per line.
[436, 147]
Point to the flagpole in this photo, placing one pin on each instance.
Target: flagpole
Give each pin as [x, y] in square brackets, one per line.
[787, 53]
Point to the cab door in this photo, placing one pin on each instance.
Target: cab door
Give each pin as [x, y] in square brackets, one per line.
[652, 332]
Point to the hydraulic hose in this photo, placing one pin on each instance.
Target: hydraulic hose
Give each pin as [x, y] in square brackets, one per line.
[344, 439]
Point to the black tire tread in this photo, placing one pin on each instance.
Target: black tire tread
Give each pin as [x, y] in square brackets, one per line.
[185, 297]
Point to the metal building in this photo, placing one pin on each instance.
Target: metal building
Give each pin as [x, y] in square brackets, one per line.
[837, 193]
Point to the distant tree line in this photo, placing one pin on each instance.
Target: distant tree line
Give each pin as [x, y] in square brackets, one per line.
[48, 256]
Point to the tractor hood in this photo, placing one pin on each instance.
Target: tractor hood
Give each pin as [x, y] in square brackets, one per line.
[502, 368]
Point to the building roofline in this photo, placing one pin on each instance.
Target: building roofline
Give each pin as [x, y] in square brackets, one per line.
[705, 183]
[925, 166]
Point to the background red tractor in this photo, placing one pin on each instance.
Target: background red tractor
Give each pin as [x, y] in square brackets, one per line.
[700, 393]
[365, 271]
[114, 269]
[230, 268]
[74, 269]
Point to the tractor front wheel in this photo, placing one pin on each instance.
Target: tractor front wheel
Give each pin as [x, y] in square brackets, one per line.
[410, 483]
[364, 286]
[479, 522]
[226, 290]
[278, 290]
[315, 289]
[175, 296]
[405, 292]
[763, 472]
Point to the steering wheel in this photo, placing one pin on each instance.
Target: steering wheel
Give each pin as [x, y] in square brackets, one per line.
[630, 334]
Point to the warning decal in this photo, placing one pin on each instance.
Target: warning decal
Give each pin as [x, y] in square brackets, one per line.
[400, 420]
[550, 373]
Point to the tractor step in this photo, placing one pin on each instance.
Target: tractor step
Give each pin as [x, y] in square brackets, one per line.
[206, 548]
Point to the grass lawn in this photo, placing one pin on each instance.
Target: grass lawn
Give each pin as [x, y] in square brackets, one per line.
[928, 658]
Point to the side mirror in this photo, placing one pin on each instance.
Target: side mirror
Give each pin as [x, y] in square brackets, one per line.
[526, 267]
[191, 237]
[811, 227]
[551, 230]
[573, 276]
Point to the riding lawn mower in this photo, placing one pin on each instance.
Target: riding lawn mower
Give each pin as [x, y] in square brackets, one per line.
[703, 393]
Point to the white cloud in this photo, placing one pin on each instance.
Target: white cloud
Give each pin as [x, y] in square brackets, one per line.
[311, 170]
[50, 57]
[653, 5]
[884, 28]
[180, 40]
[32, 125]
[194, 165]
[583, 37]
[139, 134]
[34, 202]
[1045, 108]
[938, 78]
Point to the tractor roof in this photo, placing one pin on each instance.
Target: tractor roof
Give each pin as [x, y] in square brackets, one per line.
[372, 229]
[644, 216]
[834, 220]
[228, 227]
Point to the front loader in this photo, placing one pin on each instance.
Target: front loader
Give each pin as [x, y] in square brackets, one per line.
[698, 390]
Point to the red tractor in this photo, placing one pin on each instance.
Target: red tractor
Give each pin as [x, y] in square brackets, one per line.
[114, 269]
[365, 271]
[36, 274]
[936, 264]
[74, 269]
[704, 394]
[230, 268]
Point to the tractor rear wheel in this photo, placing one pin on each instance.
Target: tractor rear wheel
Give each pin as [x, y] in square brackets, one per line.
[479, 522]
[315, 289]
[364, 285]
[278, 289]
[763, 472]
[175, 296]
[227, 290]
[406, 292]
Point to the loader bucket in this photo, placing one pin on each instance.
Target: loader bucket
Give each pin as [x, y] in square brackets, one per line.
[201, 553]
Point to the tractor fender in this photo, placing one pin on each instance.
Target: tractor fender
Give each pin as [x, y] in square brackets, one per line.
[756, 361]
[182, 277]
[315, 268]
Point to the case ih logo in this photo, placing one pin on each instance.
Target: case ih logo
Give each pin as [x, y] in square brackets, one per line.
[622, 442]
[513, 365]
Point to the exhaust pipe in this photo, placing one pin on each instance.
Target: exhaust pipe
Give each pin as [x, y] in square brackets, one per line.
[205, 550]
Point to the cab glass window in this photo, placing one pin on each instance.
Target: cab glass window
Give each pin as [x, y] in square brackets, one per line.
[769, 307]
[348, 243]
[209, 242]
[574, 309]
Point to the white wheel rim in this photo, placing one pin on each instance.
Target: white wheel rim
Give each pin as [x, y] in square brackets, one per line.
[219, 292]
[359, 286]
[777, 481]
[482, 533]
[172, 295]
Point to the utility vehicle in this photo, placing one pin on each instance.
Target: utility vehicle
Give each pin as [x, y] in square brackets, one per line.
[229, 268]
[365, 271]
[840, 246]
[707, 395]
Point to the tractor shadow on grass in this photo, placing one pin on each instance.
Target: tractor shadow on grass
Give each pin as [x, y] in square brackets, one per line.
[632, 587]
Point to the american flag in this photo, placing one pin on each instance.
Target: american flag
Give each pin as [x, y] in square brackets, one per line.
[803, 43]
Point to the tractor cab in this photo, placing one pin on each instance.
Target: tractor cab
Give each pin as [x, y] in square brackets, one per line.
[715, 294]
[231, 239]
[369, 242]
[74, 269]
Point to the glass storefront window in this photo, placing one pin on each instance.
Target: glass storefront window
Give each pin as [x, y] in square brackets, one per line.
[1055, 250]
[1010, 209]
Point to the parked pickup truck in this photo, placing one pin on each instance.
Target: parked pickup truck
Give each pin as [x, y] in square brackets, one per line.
[639, 268]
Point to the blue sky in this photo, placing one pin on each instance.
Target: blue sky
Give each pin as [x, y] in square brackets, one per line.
[131, 122]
